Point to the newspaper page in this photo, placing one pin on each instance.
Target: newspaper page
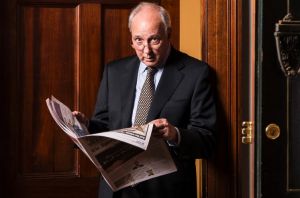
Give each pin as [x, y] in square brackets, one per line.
[124, 157]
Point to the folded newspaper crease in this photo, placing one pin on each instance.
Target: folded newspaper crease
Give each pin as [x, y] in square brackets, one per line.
[124, 157]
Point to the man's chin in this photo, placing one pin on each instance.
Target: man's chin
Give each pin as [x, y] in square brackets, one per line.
[150, 63]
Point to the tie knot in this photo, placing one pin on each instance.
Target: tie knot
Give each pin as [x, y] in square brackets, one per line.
[151, 70]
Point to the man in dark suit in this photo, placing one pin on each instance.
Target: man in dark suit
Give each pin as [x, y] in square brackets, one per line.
[182, 108]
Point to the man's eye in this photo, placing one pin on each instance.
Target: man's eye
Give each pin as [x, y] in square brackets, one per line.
[138, 41]
[155, 41]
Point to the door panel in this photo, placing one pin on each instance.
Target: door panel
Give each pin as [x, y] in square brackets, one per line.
[278, 167]
[49, 63]
[48, 48]
[113, 39]
[273, 104]
[293, 136]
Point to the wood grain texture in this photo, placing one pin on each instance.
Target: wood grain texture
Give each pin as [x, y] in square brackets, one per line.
[222, 50]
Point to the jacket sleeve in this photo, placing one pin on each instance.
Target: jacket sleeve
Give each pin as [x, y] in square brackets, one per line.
[198, 138]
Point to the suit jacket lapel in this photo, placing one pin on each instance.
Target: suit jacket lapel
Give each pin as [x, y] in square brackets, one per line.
[127, 86]
[168, 83]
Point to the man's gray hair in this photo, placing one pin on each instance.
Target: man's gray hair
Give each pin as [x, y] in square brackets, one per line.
[164, 14]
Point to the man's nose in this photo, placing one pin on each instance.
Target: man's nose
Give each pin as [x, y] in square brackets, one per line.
[147, 48]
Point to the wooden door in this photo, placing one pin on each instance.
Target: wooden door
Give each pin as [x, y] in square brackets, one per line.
[55, 47]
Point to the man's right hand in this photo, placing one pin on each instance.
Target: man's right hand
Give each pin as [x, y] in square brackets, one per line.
[81, 118]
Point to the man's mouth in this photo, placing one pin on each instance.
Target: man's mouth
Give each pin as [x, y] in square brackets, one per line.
[149, 58]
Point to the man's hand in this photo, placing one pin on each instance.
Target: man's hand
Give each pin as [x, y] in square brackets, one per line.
[163, 129]
[81, 118]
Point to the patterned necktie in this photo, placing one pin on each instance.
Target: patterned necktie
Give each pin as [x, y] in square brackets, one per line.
[145, 97]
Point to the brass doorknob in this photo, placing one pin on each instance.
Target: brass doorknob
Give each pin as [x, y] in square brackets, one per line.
[272, 131]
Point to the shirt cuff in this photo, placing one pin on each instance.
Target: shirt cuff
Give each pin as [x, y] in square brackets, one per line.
[173, 143]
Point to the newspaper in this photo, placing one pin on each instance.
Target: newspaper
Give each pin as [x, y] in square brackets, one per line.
[124, 157]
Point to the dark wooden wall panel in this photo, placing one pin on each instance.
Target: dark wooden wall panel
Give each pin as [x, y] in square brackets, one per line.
[58, 54]
[47, 66]
[49, 63]
[115, 43]
[173, 6]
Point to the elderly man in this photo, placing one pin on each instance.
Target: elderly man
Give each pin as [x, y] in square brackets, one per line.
[181, 106]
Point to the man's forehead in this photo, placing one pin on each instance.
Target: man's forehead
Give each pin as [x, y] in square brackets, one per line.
[149, 27]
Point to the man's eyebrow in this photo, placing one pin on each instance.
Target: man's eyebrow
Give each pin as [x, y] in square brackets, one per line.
[155, 36]
[135, 36]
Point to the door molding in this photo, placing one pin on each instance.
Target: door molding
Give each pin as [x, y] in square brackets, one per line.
[226, 47]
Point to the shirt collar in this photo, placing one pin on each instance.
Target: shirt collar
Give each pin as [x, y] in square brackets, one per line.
[142, 68]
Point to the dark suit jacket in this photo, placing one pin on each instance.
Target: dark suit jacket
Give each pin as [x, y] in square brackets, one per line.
[183, 96]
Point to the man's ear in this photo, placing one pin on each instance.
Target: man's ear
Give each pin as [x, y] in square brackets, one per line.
[131, 43]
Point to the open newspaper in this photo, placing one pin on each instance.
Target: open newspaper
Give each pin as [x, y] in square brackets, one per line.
[124, 157]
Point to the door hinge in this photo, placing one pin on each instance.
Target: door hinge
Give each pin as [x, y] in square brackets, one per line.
[247, 132]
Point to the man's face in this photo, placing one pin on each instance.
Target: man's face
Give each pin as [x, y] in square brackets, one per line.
[149, 38]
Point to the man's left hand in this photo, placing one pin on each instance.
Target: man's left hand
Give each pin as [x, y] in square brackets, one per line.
[163, 129]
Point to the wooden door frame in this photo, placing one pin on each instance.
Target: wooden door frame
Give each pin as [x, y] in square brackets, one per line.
[227, 42]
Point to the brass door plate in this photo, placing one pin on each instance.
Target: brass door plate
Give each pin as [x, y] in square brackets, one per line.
[272, 131]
